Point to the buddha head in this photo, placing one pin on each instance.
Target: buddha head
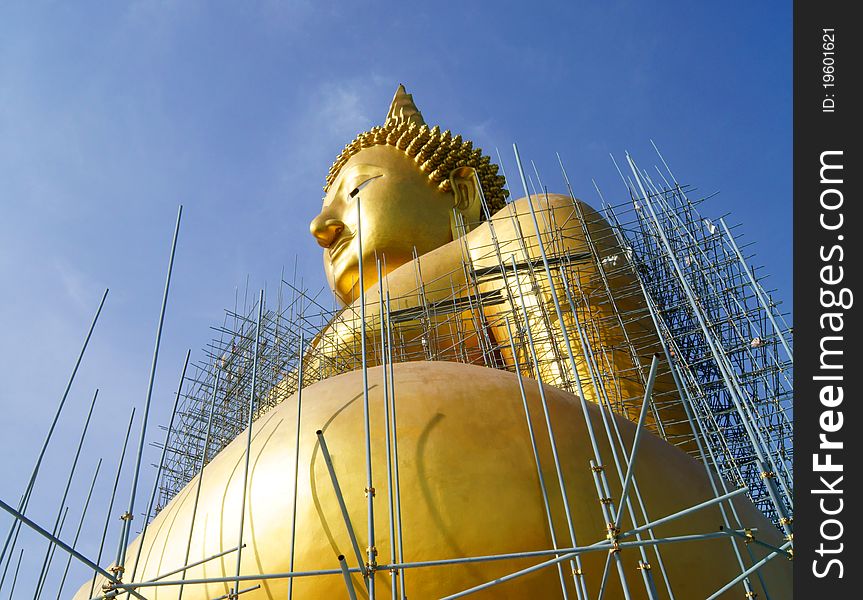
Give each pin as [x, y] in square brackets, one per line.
[408, 189]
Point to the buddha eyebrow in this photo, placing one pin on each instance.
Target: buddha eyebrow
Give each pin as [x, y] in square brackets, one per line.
[357, 189]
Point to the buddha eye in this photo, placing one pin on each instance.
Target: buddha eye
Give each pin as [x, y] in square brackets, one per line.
[357, 189]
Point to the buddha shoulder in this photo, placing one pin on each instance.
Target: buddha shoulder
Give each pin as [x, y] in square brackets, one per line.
[554, 213]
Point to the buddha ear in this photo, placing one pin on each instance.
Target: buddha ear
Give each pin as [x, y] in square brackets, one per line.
[468, 198]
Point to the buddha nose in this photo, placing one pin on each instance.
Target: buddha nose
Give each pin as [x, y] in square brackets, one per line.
[326, 229]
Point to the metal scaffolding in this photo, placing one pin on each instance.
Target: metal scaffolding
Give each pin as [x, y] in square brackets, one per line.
[645, 307]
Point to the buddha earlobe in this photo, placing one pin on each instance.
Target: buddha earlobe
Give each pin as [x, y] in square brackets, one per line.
[467, 200]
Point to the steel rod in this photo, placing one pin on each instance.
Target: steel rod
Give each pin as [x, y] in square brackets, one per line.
[346, 575]
[130, 511]
[639, 428]
[571, 552]
[398, 500]
[43, 575]
[113, 496]
[22, 505]
[371, 551]
[44, 570]
[576, 565]
[62, 545]
[248, 449]
[80, 525]
[598, 546]
[387, 438]
[297, 462]
[747, 572]
[143, 535]
[540, 476]
[338, 490]
[216, 380]
[15, 578]
[188, 566]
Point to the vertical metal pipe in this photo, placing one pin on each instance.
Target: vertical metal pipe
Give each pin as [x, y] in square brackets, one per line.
[607, 506]
[249, 436]
[389, 459]
[44, 569]
[161, 466]
[536, 460]
[130, 511]
[341, 500]
[217, 375]
[784, 519]
[371, 551]
[111, 503]
[346, 575]
[15, 578]
[22, 504]
[80, 525]
[398, 499]
[576, 566]
[296, 464]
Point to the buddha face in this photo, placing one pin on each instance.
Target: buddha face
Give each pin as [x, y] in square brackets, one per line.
[397, 208]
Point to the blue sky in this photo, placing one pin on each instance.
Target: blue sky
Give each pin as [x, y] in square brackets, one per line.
[112, 114]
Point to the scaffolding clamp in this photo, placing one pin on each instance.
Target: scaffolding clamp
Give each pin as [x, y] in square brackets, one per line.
[643, 566]
[598, 468]
[767, 474]
[577, 572]
[127, 516]
[368, 491]
[611, 535]
[786, 521]
[749, 537]
[750, 594]
[605, 500]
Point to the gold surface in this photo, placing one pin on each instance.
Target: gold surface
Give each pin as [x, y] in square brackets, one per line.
[468, 485]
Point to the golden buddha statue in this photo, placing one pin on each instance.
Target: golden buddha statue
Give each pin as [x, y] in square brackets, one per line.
[427, 216]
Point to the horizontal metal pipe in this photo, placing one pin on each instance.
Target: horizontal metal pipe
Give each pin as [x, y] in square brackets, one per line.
[598, 546]
[569, 553]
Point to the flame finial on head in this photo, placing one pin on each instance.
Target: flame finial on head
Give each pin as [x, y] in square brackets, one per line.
[436, 153]
[403, 109]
